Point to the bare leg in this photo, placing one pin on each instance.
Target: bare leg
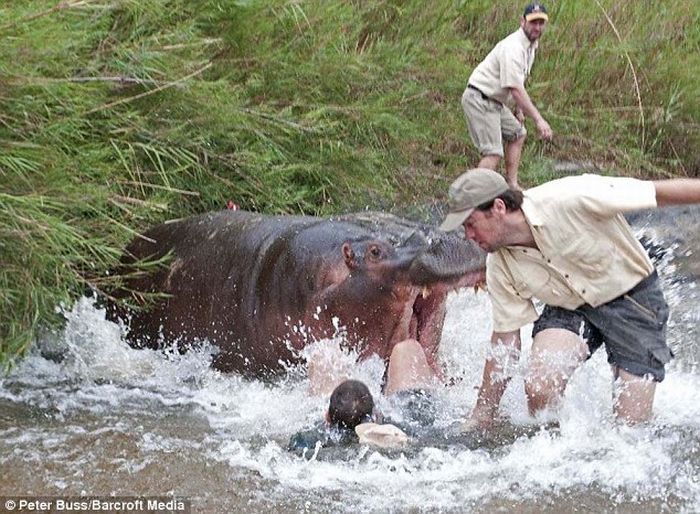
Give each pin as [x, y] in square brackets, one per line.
[490, 162]
[555, 355]
[513, 151]
[408, 368]
[633, 396]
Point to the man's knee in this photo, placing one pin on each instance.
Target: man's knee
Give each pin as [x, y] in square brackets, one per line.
[406, 349]
[543, 389]
[633, 396]
[556, 353]
[518, 140]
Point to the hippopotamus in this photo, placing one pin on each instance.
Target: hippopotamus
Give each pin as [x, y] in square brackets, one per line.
[262, 287]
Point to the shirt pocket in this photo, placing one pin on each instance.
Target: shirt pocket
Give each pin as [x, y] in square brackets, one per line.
[589, 253]
[532, 282]
[651, 304]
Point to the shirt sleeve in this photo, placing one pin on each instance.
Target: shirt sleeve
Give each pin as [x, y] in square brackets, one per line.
[609, 196]
[510, 311]
[512, 66]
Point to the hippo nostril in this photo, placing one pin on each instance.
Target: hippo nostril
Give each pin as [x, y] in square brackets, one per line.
[416, 239]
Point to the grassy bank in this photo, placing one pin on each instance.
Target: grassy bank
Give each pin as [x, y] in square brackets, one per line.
[116, 114]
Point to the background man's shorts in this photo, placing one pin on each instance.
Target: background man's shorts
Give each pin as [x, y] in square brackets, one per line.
[490, 123]
[632, 327]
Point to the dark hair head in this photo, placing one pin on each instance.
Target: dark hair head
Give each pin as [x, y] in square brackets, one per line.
[351, 404]
[513, 198]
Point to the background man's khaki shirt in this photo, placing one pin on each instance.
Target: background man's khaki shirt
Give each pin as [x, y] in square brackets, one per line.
[506, 66]
[587, 251]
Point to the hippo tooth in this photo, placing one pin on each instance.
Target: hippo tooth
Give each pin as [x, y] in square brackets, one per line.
[426, 292]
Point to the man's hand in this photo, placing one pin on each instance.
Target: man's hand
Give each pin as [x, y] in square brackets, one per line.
[544, 130]
[327, 365]
[519, 115]
[525, 105]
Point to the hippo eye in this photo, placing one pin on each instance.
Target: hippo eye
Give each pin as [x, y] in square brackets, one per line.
[375, 252]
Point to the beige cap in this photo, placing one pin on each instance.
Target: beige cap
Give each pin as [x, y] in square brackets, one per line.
[384, 436]
[471, 189]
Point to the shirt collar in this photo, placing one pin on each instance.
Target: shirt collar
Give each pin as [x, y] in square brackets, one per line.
[531, 212]
[527, 44]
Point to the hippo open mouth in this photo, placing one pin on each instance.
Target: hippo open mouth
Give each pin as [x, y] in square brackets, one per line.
[425, 310]
[447, 263]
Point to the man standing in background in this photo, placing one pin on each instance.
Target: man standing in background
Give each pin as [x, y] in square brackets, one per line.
[499, 81]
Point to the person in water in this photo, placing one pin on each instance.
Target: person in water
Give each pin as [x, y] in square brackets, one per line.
[352, 415]
[351, 418]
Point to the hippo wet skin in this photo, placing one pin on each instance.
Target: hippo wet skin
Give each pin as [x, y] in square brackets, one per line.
[261, 287]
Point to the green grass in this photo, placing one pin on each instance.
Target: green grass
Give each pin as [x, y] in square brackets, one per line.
[115, 115]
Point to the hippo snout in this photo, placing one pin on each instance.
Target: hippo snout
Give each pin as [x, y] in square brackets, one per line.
[446, 258]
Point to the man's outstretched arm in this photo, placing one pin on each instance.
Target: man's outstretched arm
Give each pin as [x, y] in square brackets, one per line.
[677, 191]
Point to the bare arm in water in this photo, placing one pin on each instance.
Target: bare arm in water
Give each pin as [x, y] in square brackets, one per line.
[504, 345]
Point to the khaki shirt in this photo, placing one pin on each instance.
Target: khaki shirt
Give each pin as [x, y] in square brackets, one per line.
[506, 66]
[586, 252]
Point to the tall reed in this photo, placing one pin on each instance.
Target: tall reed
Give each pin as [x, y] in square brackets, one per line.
[115, 115]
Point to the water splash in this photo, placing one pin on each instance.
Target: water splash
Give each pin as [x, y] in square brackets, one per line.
[87, 413]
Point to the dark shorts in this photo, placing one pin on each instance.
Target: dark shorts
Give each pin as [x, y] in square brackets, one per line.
[416, 408]
[328, 437]
[632, 327]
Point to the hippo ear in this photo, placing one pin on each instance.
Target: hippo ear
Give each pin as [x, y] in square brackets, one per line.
[349, 255]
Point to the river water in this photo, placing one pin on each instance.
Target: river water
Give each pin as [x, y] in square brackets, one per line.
[105, 419]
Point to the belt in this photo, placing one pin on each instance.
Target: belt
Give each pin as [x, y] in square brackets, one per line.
[483, 95]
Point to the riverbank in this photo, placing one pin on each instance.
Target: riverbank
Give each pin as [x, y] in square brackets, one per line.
[117, 115]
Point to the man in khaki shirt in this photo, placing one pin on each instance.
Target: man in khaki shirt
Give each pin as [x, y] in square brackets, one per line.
[567, 244]
[495, 85]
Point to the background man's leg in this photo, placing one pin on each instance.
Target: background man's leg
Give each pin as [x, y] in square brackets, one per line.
[490, 162]
[513, 151]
